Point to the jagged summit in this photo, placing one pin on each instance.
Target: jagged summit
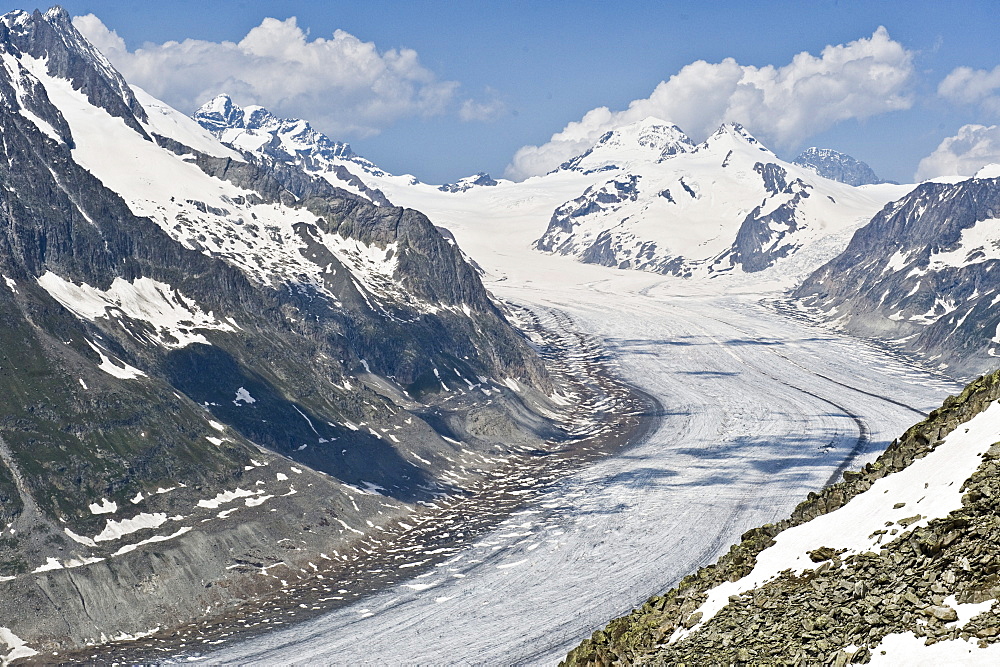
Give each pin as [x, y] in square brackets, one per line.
[731, 136]
[837, 166]
[257, 131]
[51, 37]
[253, 126]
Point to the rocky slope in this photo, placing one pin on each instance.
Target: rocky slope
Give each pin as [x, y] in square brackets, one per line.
[896, 564]
[921, 274]
[218, 369]
[837, 166]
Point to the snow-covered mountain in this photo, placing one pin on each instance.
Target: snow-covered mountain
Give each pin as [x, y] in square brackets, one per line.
[648, 140]
[922, 274]
[208, 354]
[837, 166]
[727, 204]
[256, 130]
[644, 196]
[895, 565]
[469, 182]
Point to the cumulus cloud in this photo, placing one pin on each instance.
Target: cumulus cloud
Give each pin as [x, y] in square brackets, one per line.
[963, 154]
[343, 84]
[965, 85]
[781, 105]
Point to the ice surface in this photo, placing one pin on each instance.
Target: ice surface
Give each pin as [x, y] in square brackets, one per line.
[757, 410]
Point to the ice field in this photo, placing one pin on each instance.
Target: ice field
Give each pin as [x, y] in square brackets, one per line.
[758, 408]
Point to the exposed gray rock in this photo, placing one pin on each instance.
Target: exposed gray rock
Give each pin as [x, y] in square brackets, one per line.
[919, 276]
[837, 166]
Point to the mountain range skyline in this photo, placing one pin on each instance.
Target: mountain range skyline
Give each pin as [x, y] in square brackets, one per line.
[440, 94]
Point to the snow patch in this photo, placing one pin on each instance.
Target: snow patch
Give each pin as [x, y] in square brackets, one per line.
[50, 564]
[174, 318]
[243, 396]
[908, 649]
[114, 530]
[156, 538]
[105, 507]
[122, 372]
[18, 649]
[227, 497]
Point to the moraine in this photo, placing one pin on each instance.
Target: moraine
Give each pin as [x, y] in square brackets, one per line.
[750, 424]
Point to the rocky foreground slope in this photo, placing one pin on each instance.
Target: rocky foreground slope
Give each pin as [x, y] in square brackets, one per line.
[899, 562]
[218, 372]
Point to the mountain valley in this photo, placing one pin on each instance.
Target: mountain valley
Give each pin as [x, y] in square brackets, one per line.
[268, 402]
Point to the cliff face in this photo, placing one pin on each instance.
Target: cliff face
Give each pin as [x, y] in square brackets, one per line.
[920, 274]
[213, 365]
[899, 557]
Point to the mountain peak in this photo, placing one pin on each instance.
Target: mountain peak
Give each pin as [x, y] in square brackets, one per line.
[52, 38]
[219, 113]
[736, 130]
[648, 140]
[478, 179]
[253, 126]
[733, 136]
[56, 13]
[837, 166]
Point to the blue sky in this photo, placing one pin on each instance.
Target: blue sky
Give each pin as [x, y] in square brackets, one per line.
[523, 70]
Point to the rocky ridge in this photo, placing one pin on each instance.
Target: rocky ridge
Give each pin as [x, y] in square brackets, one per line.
[920, 275]
[837, 166]
[257, 131]
[936, 580]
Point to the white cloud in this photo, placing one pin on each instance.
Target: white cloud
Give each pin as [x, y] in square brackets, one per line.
[343, 84]
[963, 154]
[965, 85]
[781, 105]
[490, 109]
